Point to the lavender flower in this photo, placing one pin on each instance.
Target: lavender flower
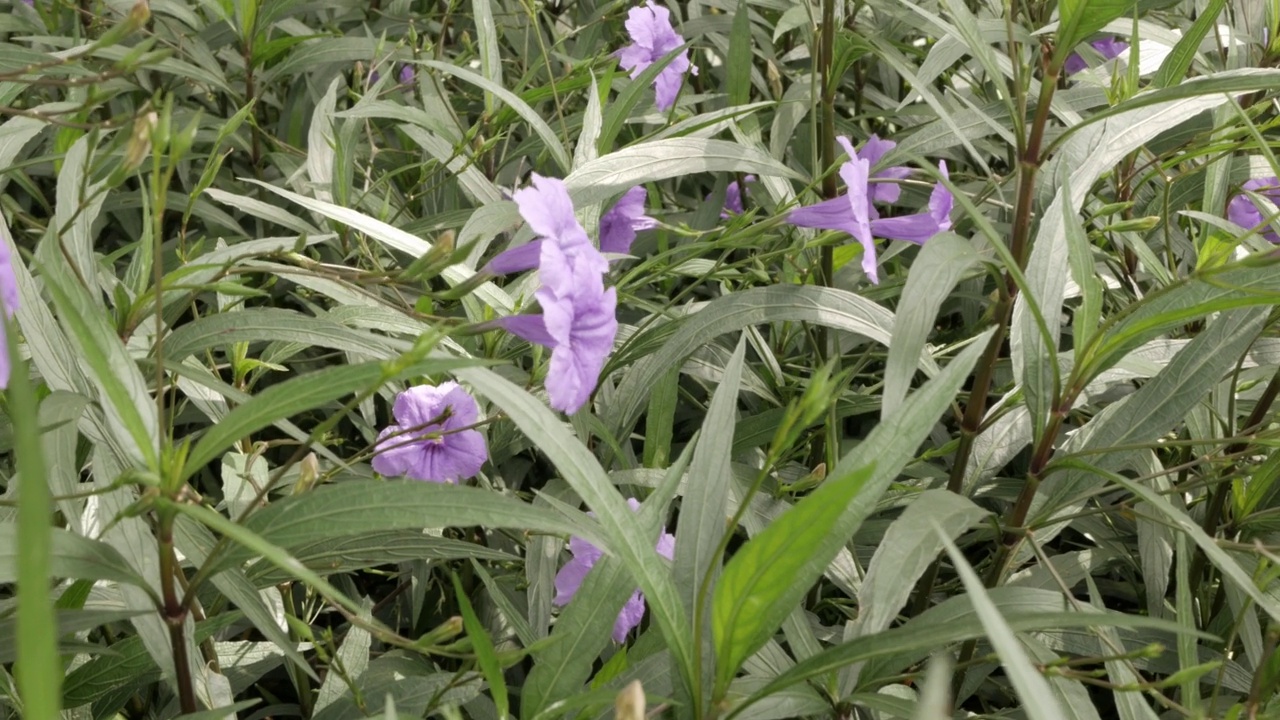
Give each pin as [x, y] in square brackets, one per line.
[854, 213]
[652, 37]
[407, 75]
[585, 555]
[28, 3]
[733, 195]
[9, 300]
[428, 441]
[1245, 212]
[577, 320]
[1107, 47]
[619, 226]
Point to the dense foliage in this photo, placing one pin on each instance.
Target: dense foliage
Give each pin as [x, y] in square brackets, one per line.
[721, 358]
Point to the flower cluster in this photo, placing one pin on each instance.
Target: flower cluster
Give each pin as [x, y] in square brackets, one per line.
[652, 37]
[855, 213]
[9, 302]
[1245, 212]
[585, 555]
[577, 320]
[1108, 48]
[433, 438]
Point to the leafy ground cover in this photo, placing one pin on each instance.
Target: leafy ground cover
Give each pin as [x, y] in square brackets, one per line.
[713, 359]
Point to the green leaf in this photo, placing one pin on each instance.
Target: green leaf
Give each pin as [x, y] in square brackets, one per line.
[296, 395]
[494, 87]
[862, 475]
[638, 87]
[490, 60]
[67, 555]
[396, 239]
[482, 646]
[40, 673]
[1078, 19]
[1176, 64]
[758, 587]
[122, 391]
[1230, 569]
[220, 713]
[1032, 689]
[738, 70]
[581, 632]
[705, 510]
[626, 536]
[1253, 281]
[354, 508]
[906, 550]
[269, 325]
[828, 307]
[942, 262]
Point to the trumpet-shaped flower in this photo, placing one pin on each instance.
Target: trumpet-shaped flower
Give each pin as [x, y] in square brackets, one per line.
[1245, 212]
[1107, 47]
[619, 226]
[9, 299]
[432, 438]
[577, 320]
[585, 556]
[853, 212]
[652, 37]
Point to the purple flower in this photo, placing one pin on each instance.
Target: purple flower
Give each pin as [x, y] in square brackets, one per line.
[9, 299]
[1243, 211]
[407, 75]
[428, 441]
[619, 226]
[577, 320]
[29, 3]
[652, 37]
[733, 195]
[854, 213]
[1107, 47]
[585, 555]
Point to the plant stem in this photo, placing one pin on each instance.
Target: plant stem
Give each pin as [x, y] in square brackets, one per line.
[175, 614]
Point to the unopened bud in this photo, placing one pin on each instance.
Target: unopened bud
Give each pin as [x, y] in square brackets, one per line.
[139, 143]
[630, 703]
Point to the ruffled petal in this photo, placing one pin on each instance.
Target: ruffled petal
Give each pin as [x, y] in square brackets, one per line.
[575, 366]
[618, 226]
[394, 455]
[630, 616]
[546, 207]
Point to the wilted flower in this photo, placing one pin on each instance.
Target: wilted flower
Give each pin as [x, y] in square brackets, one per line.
[9, 299]
[577, 320]
[1244, 211]
[619, 226]
[432, 438]
[406, 75]
[854, 213]
[1107, 47]
[652, 37]
[585, 555]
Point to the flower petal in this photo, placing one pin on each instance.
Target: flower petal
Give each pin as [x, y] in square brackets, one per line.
[516, 259]
[618, 226]
[394, 454]
[630, 616]
[528, 327]
[547, 209]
